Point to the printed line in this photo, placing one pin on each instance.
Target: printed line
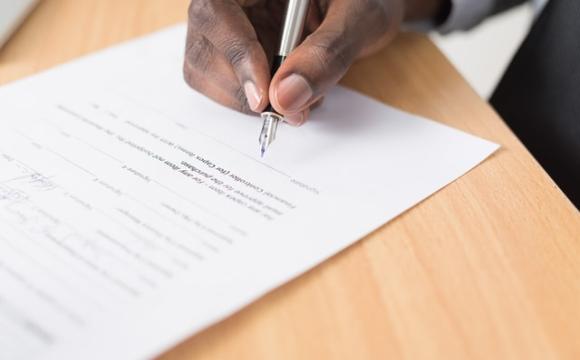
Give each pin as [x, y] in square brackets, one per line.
[80, 273]
[69, 161]
[180, 125]
[44, 147]
[167, 219]
[97, 149]
[64, 282]
[199, 206]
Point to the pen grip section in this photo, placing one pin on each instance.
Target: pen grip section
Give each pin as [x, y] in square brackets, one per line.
[276, 64]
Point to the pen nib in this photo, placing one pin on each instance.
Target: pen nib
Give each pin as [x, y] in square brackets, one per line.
[268, 134]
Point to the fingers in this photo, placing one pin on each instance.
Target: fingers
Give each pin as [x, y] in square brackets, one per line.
[297, 119]
[225, 60]
[349, 30]
[207, 71]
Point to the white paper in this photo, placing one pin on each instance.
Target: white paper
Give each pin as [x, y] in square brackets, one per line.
[134, 212]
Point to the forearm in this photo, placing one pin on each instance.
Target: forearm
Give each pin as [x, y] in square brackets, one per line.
[466, 14]
[450, 15]
[502, 5]
[427, 10]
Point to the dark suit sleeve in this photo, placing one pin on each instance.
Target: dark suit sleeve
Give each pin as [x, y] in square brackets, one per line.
[539, 95]
[465, 14]
[502, 5]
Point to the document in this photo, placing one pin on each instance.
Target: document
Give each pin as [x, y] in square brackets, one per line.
[135, 212]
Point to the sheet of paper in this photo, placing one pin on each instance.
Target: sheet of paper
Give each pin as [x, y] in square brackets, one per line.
[135, 212]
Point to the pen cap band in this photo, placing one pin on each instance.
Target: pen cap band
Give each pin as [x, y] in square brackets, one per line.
[294, 20]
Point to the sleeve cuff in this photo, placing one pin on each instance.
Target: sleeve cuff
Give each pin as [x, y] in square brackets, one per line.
[464, 15]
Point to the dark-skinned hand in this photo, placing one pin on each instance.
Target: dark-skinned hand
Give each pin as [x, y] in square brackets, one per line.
[230, 44]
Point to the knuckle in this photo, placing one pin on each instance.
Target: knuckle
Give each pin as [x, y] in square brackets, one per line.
[202, 13]
[237, 52]
[330, 51]
[377, 17]
[198, 53]
[242, 101]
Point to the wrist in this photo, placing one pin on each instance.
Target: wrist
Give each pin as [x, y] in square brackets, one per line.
[434, 11]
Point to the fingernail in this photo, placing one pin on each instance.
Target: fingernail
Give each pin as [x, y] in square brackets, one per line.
[293, 93]
[297, 119]
[253, 96]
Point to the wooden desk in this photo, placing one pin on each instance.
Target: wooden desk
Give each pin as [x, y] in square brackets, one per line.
[489, 267]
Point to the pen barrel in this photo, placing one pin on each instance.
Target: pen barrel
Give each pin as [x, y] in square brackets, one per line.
[294, 20]
[276, 63]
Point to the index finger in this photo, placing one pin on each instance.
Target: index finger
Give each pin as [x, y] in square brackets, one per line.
[225, 24]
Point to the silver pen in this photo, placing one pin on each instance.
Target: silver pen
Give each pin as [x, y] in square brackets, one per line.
[294, 19]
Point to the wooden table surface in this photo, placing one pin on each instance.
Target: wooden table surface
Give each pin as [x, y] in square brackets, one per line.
[487, 268]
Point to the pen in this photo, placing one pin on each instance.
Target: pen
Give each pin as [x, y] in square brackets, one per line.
[294, 20]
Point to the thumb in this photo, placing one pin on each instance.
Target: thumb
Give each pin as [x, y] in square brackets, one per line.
[310, 70]
[350, 29]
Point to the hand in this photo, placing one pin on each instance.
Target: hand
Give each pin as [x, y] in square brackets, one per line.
[229, 43]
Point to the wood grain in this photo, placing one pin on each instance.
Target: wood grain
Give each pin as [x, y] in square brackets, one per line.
[487, 268]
